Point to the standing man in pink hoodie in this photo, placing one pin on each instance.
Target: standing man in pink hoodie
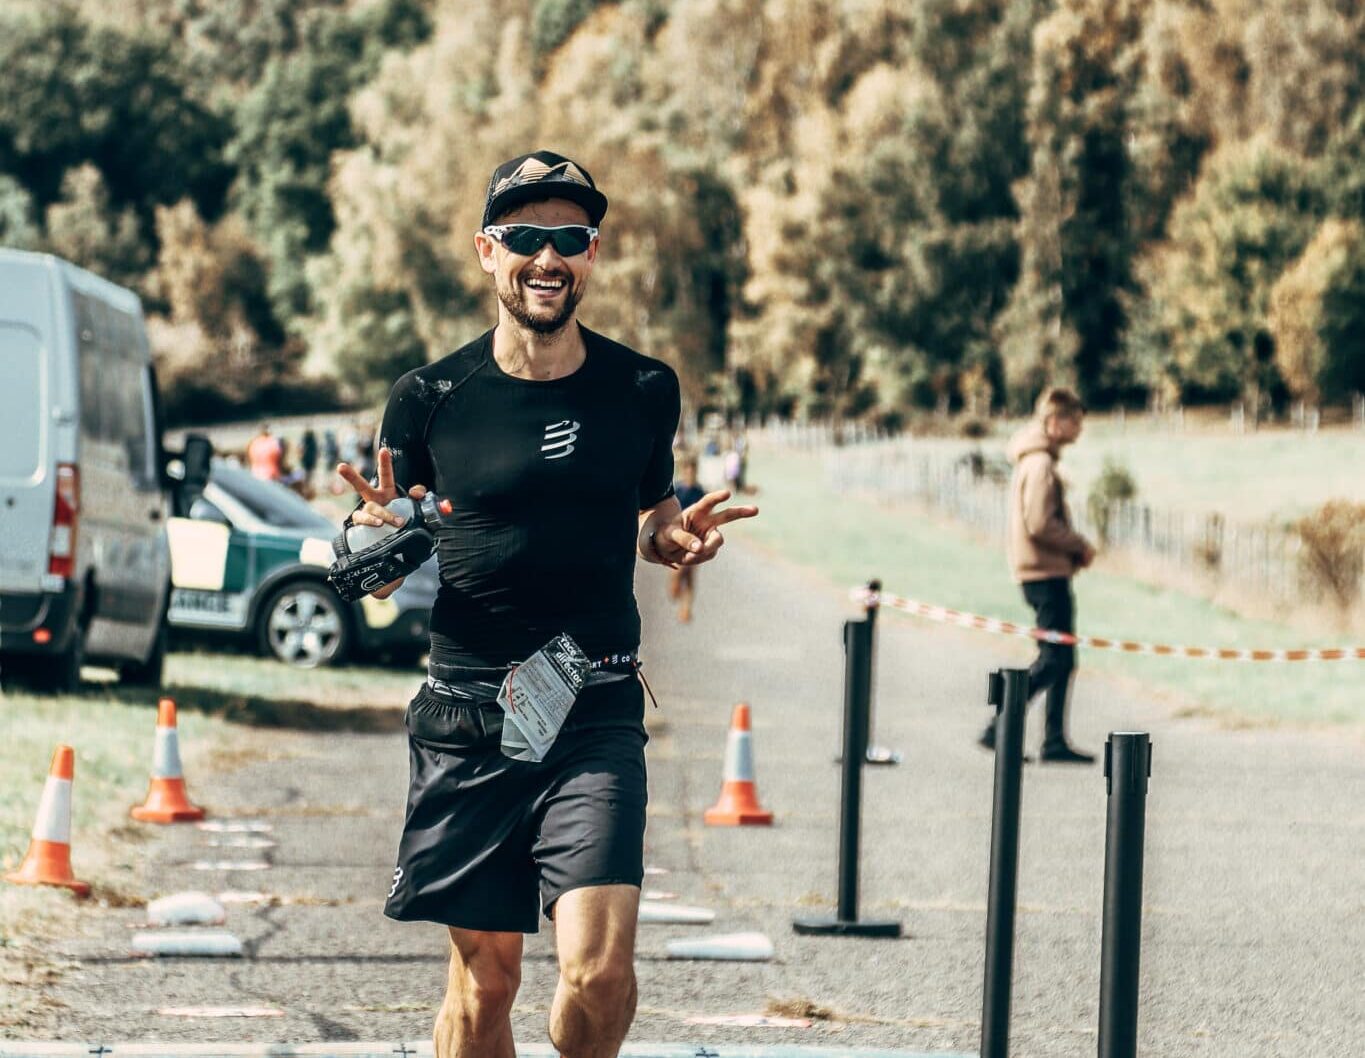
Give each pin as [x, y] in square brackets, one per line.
[1045, 552]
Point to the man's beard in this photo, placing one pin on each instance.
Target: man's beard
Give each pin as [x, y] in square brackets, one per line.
[515, 303]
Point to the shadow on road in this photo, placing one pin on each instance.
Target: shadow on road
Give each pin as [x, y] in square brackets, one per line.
[260, 711]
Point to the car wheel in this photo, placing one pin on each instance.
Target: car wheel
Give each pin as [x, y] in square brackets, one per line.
[303, 624]
[148, 673]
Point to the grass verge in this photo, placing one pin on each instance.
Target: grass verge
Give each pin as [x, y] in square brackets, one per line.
[222, 698]
[853, 538]
[113, 741]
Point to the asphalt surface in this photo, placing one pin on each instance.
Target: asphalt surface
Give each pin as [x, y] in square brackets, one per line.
[1255, 887]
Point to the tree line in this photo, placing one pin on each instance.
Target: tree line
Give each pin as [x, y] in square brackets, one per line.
[849, 208]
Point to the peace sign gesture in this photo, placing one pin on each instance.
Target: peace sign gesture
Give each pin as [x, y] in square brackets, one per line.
[693, 535]
[374, 509]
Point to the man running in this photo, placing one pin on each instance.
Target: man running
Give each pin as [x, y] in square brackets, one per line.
[555, 446]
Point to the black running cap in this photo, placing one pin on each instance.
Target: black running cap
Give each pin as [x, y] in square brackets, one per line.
[538, 176]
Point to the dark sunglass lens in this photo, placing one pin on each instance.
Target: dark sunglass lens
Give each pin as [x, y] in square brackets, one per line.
[524, 240]
[570, 242]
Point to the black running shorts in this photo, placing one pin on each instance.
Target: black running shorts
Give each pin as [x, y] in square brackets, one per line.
[489, 840]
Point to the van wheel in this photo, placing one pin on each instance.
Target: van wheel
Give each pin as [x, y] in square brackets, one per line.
[148, 673]
[303, 624]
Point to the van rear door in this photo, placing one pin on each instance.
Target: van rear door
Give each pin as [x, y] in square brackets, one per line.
[26, 483]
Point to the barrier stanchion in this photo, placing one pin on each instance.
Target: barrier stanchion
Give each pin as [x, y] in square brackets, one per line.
[857, 685]
[1127, 768]
[1008, 692]
[876, 754]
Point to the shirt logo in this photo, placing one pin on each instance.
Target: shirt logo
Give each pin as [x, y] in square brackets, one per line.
[559, 438]
[397, 881]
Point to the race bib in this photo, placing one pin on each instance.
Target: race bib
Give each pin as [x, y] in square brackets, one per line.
[536, 697]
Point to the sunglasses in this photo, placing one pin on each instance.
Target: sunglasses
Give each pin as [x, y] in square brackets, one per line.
[569, 240]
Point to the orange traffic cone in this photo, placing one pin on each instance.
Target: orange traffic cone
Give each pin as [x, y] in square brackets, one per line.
[166, 799]
[738, 804]
[49, 853]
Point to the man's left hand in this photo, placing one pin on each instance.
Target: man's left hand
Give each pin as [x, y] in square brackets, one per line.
[693, 536]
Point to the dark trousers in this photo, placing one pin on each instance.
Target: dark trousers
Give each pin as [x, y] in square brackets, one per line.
[1054, 609]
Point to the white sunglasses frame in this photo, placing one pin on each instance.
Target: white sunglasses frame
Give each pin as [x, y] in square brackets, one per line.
[497, 231]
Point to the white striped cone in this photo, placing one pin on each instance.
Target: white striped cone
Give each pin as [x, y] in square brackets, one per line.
[48, 861]
[167, 801]
[738, 804]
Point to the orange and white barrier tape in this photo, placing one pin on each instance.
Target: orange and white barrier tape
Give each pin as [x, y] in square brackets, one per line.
[944, 615]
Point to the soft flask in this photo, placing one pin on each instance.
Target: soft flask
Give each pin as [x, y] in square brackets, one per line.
[370, 556]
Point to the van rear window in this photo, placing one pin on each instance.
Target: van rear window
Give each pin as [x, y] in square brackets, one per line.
[21, 404]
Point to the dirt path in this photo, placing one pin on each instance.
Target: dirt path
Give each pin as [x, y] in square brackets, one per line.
[1253, 929]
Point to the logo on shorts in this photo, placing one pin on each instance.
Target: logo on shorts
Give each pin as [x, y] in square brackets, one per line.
[559, 438]
[397, 881]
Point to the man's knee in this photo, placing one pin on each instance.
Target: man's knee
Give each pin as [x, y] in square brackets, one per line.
[483, 985]
[478, 1004]
[600, 982]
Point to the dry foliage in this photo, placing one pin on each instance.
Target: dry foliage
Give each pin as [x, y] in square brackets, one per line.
[1333, 555]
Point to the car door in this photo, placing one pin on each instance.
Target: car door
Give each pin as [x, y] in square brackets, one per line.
[211, 560]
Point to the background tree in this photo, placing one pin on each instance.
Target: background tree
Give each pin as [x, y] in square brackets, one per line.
[1252, 213]
[213, 280]
[18, 226]
[1066, 318]
[77, 94]
[292, 122]
[84, 227]
[1317, 314]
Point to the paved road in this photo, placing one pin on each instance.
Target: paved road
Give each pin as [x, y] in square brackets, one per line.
[1255, 917]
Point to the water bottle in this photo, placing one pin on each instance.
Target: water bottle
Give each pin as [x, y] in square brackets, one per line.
[359, 537]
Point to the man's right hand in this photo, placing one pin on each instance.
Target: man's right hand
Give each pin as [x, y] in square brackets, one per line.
[374, 502]
[1087, 556]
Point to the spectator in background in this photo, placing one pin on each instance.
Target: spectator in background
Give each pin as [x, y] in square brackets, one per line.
[733, 468]
[682, 579]
[350, 445]
[741, 447]
[308, 453]
[365, 450]
[1045, 552]
[264, 455]
[331, 455]
[291, 474]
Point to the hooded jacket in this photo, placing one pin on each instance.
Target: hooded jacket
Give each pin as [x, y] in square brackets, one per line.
[1041, 542]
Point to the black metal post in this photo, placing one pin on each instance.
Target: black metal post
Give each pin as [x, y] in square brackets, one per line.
[1127, 767]
[857, 684]
[874, 753]
[1008, 692]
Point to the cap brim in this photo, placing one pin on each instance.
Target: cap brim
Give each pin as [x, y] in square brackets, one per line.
[589, 198]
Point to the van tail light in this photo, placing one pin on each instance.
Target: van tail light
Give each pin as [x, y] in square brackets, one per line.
[66, 508]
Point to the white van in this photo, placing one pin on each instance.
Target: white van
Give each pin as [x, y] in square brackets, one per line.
[84, 560]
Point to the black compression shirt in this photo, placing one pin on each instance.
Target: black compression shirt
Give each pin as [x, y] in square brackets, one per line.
[547, 481]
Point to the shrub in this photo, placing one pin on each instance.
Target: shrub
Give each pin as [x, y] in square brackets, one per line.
[1333, 553]
[1114, 485]
[553, 21]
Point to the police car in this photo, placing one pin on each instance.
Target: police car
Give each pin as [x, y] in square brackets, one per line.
[250, 557]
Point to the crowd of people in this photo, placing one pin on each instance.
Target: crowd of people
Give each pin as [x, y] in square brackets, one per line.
[307, 463]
